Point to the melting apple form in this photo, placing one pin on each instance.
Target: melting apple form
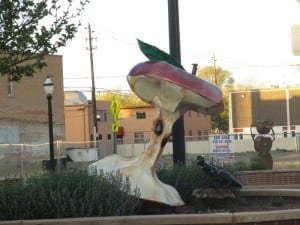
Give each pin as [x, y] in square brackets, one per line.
[172, 92]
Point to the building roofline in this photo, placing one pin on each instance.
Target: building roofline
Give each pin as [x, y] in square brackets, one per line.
[266, 89]
[137, 107]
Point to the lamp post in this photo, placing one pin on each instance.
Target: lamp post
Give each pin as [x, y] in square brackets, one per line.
[48, 88]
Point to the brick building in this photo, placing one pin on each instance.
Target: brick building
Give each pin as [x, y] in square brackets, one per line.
[135, 123]
[24, 111]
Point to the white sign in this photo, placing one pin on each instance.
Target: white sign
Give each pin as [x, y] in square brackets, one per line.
[221, 143]
[221, 146]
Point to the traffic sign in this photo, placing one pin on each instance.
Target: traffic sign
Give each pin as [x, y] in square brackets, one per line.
[115, 127]
[115, 108]
[115, 111]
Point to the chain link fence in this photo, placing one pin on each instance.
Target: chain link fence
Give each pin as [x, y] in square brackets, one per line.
[19, 160]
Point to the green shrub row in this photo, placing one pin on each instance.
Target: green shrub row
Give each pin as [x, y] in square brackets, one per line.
[67, 193]
[75, 193]
[255, 163]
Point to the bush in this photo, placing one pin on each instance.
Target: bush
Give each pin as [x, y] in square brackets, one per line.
[184, 178]
[257, 163]
[277, 201]
[240, 165]
[187, 178]
[67, 193]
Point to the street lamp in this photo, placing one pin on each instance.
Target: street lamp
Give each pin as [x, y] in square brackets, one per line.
[48, 88]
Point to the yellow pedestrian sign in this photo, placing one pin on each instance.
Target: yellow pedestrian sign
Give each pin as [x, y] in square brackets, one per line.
[115, 111]
[115, 108]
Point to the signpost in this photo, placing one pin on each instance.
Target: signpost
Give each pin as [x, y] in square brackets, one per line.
[115, 111]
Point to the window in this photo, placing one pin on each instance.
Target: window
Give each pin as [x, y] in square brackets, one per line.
[205, 133]
[101, 115]
[120, 140]
[108, 136]
[139, 137]
[199, 134]
[241, 136]
[190, 134]
[10, 87]
[140, 115]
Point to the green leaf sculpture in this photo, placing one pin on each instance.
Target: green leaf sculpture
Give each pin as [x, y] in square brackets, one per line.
[155, 54]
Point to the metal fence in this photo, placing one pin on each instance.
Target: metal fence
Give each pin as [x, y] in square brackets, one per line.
[18, 160]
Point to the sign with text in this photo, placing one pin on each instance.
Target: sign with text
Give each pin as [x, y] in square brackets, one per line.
[221, 147]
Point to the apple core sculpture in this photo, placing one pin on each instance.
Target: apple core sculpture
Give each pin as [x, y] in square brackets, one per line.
[172, 91]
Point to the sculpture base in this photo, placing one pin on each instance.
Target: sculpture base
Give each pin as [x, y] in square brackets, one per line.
[142, 176]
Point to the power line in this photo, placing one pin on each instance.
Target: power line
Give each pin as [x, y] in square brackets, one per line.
[102, 77]
[89, 89]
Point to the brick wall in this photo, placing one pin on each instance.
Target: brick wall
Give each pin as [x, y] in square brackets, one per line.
[270, 177]
[25, 112]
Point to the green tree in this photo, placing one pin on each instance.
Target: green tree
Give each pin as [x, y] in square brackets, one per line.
[220, 122]
[31, 29]
[218, 76]
[223, 79]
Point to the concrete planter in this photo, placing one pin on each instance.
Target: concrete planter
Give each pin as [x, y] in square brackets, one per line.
[286, 217]
[275, 217]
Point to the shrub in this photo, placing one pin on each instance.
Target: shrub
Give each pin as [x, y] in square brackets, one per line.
[187, 178]
[257, 163]
[277, 201]
[67, 193]
[240, 165]
[184, 178]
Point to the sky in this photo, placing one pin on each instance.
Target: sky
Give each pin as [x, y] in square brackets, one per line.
[249, 38]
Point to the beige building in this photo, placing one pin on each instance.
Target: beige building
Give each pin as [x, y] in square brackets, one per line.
[24, 111]
[79, 123]
[135, 123]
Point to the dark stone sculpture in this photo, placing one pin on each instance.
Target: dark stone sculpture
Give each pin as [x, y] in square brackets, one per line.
[222, 175]
[263, 140]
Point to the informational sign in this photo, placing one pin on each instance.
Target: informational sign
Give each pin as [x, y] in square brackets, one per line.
[222, 147]
[115, 111]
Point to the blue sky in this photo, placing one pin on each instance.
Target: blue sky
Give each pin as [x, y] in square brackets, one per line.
[250, 38]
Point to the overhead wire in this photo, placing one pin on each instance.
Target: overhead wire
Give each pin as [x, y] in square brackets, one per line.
[207, 57]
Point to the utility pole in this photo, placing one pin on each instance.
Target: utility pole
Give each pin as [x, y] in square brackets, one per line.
[174, 46]
[217, 117]
[215, 69]
[94, 110]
